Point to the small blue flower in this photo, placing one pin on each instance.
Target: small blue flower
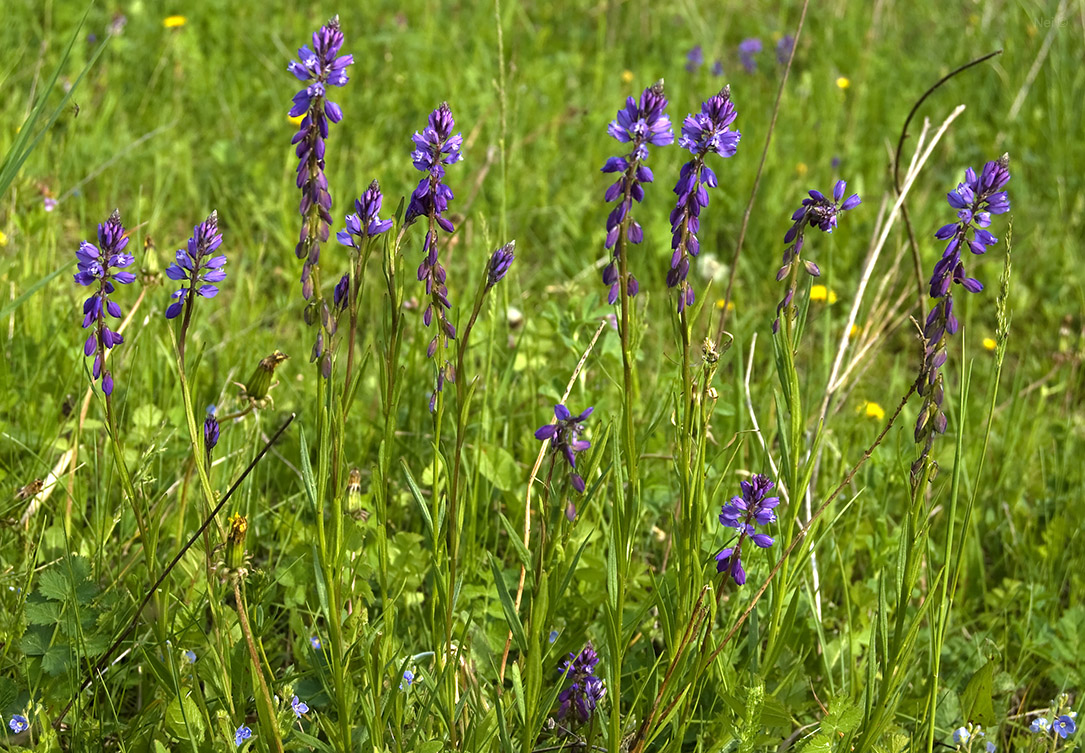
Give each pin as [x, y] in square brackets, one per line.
[961, 735]
[190, 656]
[408, 678]
[1040, 724]
[990, 747]
[299, 707]
[553, 635]
[20, 723]
[315, 642]
[1065, 726]
[242, 734]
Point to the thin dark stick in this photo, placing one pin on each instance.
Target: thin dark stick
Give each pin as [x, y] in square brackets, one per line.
[896, 174]
[757, 177]
[154, 589]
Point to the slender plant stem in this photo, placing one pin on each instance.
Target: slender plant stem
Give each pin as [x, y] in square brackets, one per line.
[270, 725]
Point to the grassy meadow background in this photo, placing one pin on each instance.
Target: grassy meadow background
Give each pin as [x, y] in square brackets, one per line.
[168, 124]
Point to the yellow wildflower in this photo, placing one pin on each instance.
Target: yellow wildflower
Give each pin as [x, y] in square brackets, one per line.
[854, 331]
[988, 343]
[3, 239]
[627, 77]
[872, 410]
[843, 82]
[800, 169]
[721, 302]
[821, 293]
[174, 22]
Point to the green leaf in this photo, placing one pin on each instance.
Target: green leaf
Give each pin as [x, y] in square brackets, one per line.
[184, 720]
[507, 604]
[977, 700]
[418, 498]
[147, 417]
[43, 612]
[56, 660]
[521, 550]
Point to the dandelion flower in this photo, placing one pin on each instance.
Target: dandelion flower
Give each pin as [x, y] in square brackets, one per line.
[722, 303]
[872, 410]
[989, 343]
[854, 331]
[174, 22]
[627, 76]
[822, 294]
[843, 82]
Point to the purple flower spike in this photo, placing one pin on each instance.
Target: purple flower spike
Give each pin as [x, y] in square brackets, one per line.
[210, 434]
[639, 124]
[500, 263]
[585, 691]
[366, 222]
[747, 48]
[974, 200]
[744, 513]
[707, 132]
[816, 211]
[319, 67]
[564, 436]
[435, 148]
[97, 265]
[694, 58]
[196, 266]
[783, 48]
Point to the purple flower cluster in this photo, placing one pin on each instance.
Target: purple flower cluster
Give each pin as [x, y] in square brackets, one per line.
[816, 211]
[585, 690]
[639, 124]
[707, 132]
[744, 513]
[319, 67]
[500, 262]
[365, 223]
[195, 265]
[435, 147]
[96, 267]
[784, 48]
[975, 200]
[694, 58]
[564, 434]
[210, 433]
[747, 48]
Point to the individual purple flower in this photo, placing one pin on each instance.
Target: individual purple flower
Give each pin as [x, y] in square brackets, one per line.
[299, 707]
[319, 67]
[639, 124]
[242, 734]
[341, 293]
[1064, 726]
[49, 203]
[196, 266]
[210, 434]
[365, 223]
[435, 148]
[18, 723]
[816, 211]
[500, 263]
[585, 690]
[744, 513]
[97, 265]
[704, 133]
[975, 201]
[564, 435]
[694, 58]
[717, 68]
[747, 48]
[784, 48]
[408, 680]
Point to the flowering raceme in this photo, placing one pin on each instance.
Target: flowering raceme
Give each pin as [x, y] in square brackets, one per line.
[565, 439]
[707, 132]
[585, 691]
[195, 265]
[975, 200]
[319, 68]
[816, 211]
[743, 513]
[96, 266]
[639, 124]
[435, 148]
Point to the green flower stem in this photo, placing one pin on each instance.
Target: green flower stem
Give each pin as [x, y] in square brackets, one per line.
[266, 711]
